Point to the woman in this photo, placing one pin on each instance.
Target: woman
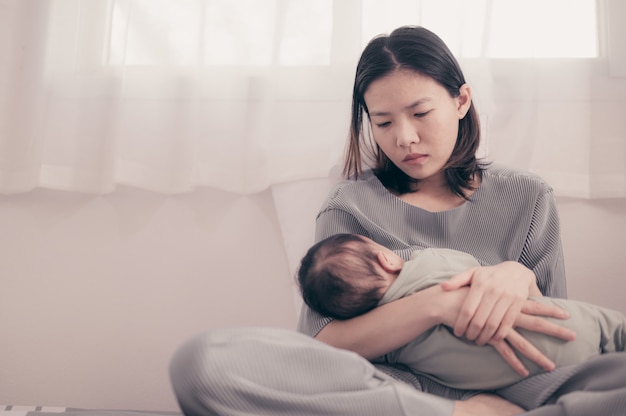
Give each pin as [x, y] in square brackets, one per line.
[413, 120]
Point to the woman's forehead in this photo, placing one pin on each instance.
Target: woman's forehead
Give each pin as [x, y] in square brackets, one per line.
[401, 90]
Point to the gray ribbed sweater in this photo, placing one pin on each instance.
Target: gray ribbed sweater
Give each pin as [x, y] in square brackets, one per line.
[511, 216]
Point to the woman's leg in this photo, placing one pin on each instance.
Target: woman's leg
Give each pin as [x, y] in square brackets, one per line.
[596, 387]
[270, 371]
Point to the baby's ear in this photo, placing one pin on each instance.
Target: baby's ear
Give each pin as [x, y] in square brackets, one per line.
[388, 263]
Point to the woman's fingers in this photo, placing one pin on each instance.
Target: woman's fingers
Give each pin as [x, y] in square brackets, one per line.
[505, 350]
[515, 342]
[544, 326]
[533, 307]
[528, 350]
[468, 311]
[486, 320]
[500, 322]
[491, 311]
[495, 298]
[459, 280]
[533, 319]
[488, 315]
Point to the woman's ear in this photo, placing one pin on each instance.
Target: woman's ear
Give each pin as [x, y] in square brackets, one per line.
[464, 100]
[388, 263]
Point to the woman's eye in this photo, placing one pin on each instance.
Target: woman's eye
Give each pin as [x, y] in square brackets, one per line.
[418, 115]
[383, 125]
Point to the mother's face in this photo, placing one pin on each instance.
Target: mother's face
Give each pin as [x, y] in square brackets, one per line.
[415, 121]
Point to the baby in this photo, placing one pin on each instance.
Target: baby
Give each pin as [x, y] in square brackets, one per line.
[347, 275]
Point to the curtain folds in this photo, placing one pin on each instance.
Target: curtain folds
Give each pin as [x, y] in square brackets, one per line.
[241, 95]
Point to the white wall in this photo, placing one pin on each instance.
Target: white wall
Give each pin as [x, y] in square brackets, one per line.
[594, 243]
[98, 291]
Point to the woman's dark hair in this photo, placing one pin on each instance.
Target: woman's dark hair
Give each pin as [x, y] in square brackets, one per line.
[337, 277]
[420, 50]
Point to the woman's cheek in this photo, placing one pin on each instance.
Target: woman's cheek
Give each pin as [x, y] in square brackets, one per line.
[384, 142]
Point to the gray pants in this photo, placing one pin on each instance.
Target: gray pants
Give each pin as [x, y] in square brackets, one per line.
[270, 371]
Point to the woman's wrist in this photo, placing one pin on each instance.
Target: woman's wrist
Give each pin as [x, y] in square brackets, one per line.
[443, 306]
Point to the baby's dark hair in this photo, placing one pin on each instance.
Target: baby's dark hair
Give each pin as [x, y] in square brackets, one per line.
[339, 278]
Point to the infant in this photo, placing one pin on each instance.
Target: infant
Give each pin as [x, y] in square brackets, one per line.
[347, 275]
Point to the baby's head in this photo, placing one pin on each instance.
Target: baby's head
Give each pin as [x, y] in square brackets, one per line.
[342, 277]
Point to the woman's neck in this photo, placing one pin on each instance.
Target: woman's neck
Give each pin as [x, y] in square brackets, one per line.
[436, 196]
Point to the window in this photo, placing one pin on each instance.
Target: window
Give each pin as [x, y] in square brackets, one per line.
[220, 32]
[497, 28]
[299, 32]
[241, 94]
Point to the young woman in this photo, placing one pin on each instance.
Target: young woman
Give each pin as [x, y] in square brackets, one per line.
[414, 123]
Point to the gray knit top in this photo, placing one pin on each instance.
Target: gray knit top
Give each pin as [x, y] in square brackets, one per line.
[511, 216]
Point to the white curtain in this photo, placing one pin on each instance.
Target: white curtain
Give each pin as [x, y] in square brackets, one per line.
[171, 95]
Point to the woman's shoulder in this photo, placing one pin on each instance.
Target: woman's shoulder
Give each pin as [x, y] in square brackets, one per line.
[510, 180]
[364, 188]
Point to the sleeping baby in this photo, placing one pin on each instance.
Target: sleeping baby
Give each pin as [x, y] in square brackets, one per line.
[347, 275]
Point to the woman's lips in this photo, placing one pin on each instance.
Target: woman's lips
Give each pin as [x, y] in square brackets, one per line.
[414, 158]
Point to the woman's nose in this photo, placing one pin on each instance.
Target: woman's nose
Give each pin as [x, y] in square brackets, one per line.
[406, 134]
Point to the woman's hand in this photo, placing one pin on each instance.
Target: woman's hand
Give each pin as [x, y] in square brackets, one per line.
[496, 303]
[531, 318]
[497, 294]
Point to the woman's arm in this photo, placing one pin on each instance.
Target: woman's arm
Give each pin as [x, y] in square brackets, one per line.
[543, 250]
[392, 325]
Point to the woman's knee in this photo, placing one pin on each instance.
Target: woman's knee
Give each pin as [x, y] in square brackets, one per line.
[192, 372]
[208, 368]
[274, 358]
[271, 371]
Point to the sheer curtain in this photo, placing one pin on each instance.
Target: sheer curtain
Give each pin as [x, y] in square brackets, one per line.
[172, 95]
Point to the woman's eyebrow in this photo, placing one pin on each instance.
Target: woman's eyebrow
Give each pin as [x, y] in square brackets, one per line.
[408, 107]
